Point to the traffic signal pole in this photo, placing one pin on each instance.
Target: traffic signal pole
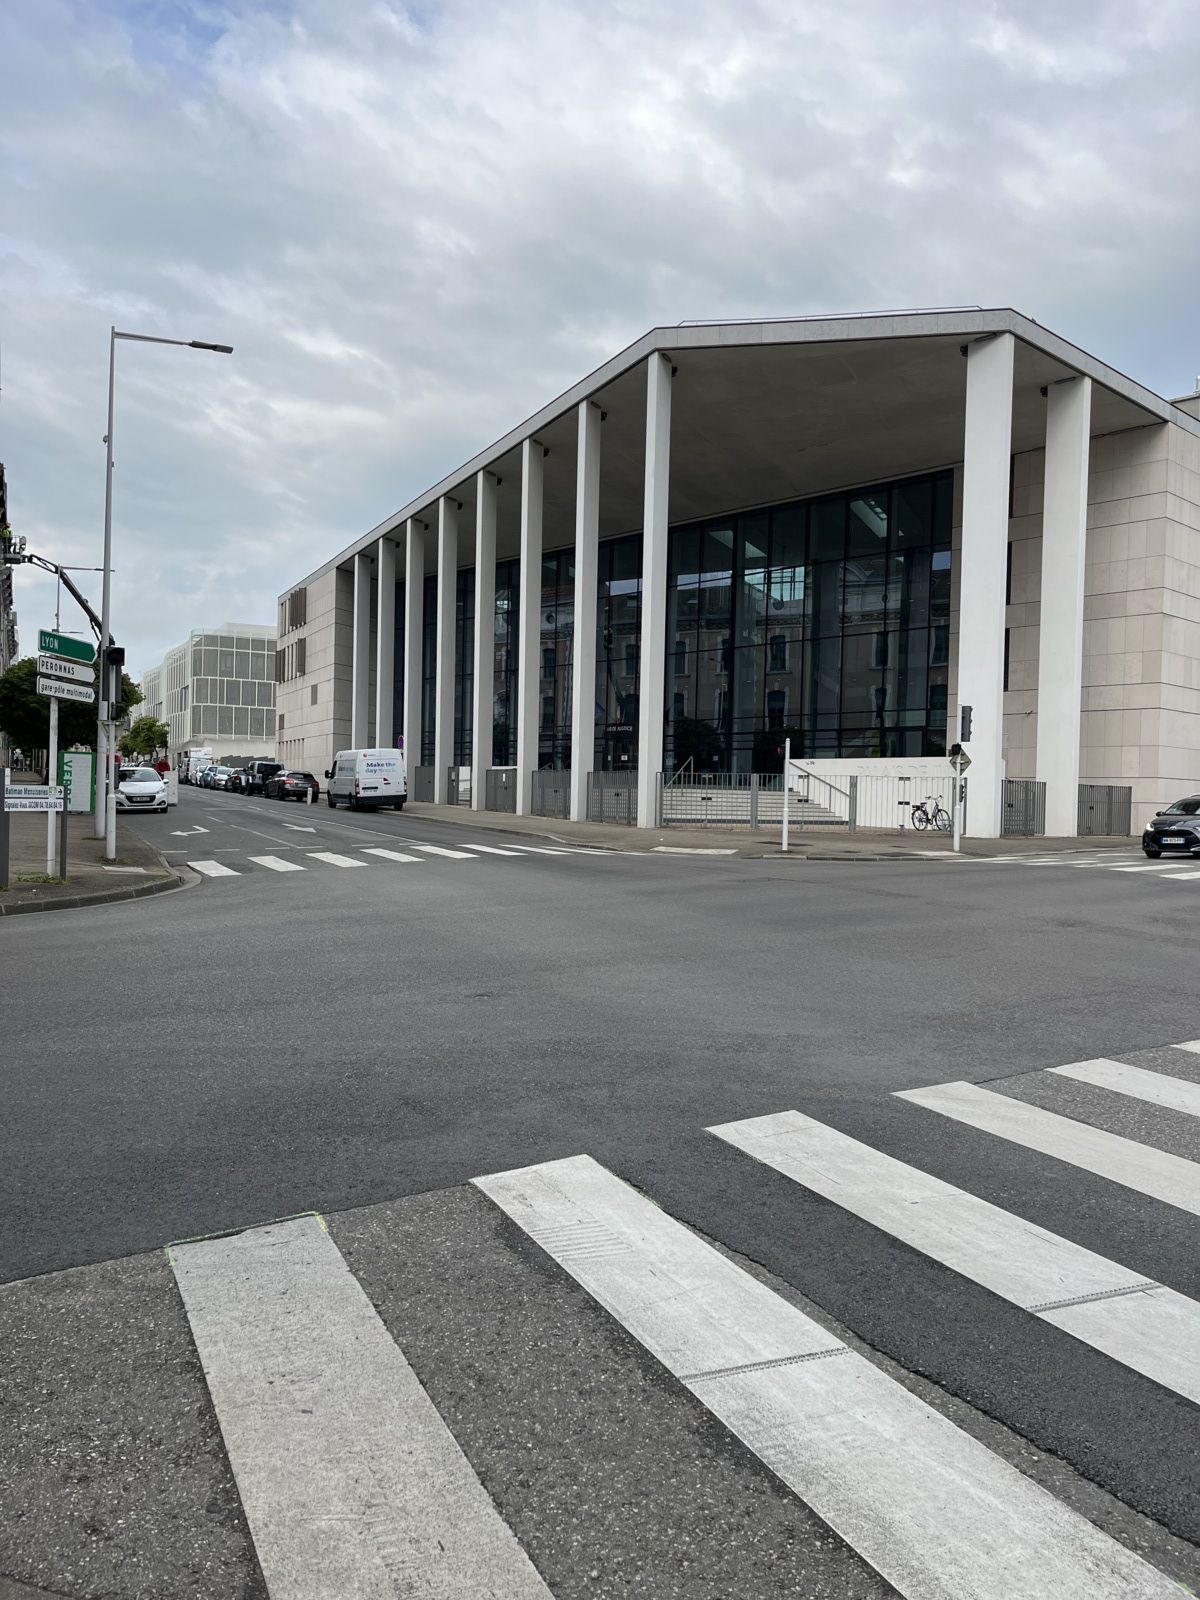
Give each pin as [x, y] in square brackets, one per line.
[102, 719]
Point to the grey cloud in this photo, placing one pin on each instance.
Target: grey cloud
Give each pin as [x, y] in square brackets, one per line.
[415, 223]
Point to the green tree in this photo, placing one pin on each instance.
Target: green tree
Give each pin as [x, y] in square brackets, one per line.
[145, 737]
[25, 714]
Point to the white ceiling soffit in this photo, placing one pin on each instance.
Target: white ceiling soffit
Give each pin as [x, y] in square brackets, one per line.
[776, 410]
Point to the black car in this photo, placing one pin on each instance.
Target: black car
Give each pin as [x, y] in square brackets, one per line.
[291, 786]
[1175, 830]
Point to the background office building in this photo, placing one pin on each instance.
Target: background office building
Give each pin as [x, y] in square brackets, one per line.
[216, 688]
[833, 530]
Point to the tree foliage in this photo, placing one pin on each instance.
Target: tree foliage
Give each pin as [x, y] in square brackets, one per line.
[145, 737]
[25, 714]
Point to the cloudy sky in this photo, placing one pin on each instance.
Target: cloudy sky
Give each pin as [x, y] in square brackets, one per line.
[416, 221]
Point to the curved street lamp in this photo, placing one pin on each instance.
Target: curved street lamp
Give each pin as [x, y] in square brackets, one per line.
[104, 826]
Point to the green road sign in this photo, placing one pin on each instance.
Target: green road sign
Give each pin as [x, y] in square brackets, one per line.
[57, 644]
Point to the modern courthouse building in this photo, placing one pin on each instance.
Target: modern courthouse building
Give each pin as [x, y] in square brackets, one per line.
[217, 688]
[834, 530]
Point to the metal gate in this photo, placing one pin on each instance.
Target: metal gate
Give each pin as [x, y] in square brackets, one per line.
[612, 797]
[500, 789]
[422, 784]
[1105, 808]
[551, 795]
[1023, 808]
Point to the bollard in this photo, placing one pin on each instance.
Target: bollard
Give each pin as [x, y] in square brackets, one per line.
[110, 828]
[3, 829]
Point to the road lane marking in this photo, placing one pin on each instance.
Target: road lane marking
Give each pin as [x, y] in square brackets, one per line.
[1181, 876]
[351, 1482]
[332, 858]
[1152, 1172]
[213, 869]
[1147, 1327]
[277, 864]
[1178, 1094]
[440, 850]
[389, 855]
[1151, 866]
[932, 1509]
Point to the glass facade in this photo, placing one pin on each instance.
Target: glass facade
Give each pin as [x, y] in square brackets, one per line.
[826, 621]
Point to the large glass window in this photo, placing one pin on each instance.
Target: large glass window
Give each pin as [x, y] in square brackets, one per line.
[618, 653]
[824, 621]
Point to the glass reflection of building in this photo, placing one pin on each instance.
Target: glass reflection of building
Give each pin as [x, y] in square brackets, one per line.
[826, 621]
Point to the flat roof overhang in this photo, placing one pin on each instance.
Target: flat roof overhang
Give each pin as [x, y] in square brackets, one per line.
[769, 411]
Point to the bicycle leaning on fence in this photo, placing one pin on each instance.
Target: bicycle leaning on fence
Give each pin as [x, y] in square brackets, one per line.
[931, 813]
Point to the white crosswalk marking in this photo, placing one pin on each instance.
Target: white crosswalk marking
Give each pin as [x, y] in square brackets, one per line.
[1137, 1166]
[930, 1508]
[213, 869]
[1150, 866]
[1148, 1327]
[389, 855]
[1178, 1094]
[542, 850]
[494, 850]
[441, 850]
[1181, 877]
[331, 858]
[276, 864]
[352, 1483]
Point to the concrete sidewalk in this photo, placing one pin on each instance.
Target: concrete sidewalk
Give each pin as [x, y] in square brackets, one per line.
[139, 869]
[808, 844]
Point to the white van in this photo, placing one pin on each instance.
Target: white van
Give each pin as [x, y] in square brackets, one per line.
[371, 778]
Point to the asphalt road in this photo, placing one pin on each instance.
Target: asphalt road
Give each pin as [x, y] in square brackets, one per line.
[272, 1042]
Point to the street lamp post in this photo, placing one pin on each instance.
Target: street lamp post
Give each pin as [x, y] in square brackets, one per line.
[105, 729]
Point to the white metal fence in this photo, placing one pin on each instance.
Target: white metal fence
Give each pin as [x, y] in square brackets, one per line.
[755, 800]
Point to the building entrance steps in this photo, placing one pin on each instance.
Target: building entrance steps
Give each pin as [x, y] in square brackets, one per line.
[747, 843]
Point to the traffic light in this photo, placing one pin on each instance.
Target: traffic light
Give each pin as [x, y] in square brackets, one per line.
[964, 732]
[114, 662]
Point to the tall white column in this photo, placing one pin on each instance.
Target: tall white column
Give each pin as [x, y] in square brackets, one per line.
[443, 699]
[987, 447]
[529, 632]
[414, 619]
[587, 535]
[360, 652]
[385, 644]
[485, 635]
[1060, 648]
[653, 666]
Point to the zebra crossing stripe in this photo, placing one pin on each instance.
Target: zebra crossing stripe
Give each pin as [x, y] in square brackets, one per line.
[494, 850]
[1176, 1094]
[389, 855]
[351, 1482]
[930, 1508]
[540, 850]
[1152, 1172]
[1151, 866]
[440, 850]
[276, 864]
[1152, 1329]
[332, 858]
[213, 869]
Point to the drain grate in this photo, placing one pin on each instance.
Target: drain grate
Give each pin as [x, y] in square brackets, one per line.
[764, 1366]
[1088, 1299]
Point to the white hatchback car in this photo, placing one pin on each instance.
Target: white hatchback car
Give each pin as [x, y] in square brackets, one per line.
[142, 789]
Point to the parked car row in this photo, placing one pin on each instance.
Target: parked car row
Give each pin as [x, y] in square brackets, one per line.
[366, 779]
[269, 778]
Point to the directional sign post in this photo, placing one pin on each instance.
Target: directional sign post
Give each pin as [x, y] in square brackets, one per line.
[70, 671]
[58, 690]
[58, 644]
[33, 797]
